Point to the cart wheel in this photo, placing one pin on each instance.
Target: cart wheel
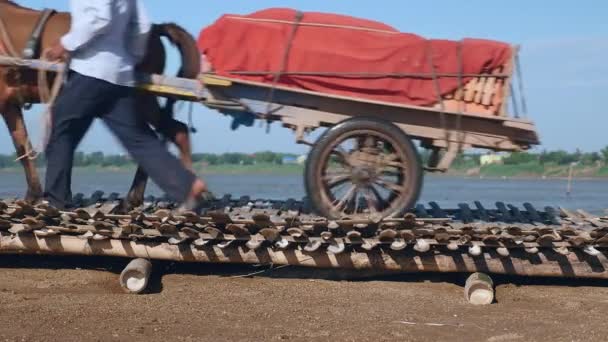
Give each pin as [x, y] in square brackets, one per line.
[363, 167]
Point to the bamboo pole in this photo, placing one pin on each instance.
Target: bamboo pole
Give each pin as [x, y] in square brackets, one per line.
[479, 289]
[135, 277]
[544, 264]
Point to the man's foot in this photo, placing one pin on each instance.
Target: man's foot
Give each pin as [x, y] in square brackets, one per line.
[199, 196]
[199, 187]
[195, 204]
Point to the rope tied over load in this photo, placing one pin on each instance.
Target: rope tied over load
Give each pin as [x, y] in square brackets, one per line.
[283, 67]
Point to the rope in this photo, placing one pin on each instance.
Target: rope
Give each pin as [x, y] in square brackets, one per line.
[514, 100]
[47, 96]
[50, 96]
[461, 88]
[522, 93]
[284, 61]
[276, 21]
[270, 268]
[460, 78]
[364, 74]
[442, 118]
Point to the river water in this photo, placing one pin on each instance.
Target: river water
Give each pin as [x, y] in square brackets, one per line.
[591, 195]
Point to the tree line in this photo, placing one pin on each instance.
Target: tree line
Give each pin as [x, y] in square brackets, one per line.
[100, 159]
[545, 157]
[265, 157]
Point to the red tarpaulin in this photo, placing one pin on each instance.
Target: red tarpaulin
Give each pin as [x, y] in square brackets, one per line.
[323, 44]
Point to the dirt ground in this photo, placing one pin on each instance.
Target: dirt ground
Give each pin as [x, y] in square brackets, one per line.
[71, 299]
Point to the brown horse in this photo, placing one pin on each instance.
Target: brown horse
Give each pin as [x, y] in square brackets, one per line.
[18, 87]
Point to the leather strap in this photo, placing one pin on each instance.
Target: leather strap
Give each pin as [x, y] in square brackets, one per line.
[32, 47]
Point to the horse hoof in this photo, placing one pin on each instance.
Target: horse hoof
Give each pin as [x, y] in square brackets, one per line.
[33, 196]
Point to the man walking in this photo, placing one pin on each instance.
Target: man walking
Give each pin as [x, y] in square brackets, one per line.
[106, 40]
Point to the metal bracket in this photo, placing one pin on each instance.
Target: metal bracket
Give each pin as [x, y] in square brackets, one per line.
[438, 163]
[301, 131]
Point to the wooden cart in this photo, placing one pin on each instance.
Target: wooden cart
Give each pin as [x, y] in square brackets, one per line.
[366, 162]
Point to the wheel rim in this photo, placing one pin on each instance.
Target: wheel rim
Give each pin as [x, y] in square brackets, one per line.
[364, 173]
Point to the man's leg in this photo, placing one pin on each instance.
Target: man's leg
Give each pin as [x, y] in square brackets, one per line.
[147, 149]
[72, 115]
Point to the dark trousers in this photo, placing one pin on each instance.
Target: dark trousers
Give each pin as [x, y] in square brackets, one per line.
[81, 101]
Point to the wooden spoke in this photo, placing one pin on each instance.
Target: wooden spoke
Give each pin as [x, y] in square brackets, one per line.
[342, 155]
[394, 187]
[391, 157]
[372, 204]
[391, 173]
[370, 141]
[392, 161]
[335, 180]
[379, 197]
[395, 164]
[356, 205]
[352, 191]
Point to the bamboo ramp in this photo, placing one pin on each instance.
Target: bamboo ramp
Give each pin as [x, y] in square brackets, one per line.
[506, 240]
[541, 264]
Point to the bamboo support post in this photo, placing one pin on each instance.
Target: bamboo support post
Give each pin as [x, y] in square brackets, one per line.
[479, 289]
[135, 277]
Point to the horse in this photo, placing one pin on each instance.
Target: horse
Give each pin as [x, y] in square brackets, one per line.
[19, 86]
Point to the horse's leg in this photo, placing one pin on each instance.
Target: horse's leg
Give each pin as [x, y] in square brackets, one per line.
[177, 132]
[13, 116]
[135, 197]
[172, 129]
[181, 138]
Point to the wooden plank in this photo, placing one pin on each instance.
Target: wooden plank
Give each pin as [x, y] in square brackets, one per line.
[214, 81]
[499, 93]
[488, 91]
[469, 94]
[507, 82]
[458, 94]
[167, 90]
[479, 87]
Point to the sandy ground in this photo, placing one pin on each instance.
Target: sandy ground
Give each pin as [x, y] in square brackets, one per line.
[75, 299]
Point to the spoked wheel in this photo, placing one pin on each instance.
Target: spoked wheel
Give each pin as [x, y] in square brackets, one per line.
[363, 168]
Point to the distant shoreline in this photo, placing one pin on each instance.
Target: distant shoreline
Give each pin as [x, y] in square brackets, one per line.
[519, 165]
[494, 172]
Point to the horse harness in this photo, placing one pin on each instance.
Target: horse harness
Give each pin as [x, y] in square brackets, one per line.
[32, 49]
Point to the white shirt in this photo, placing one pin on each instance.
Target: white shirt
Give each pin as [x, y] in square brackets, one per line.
[107, 38]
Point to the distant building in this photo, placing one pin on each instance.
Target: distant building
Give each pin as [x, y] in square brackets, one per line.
[491, 159]
[288, 160]
[302, 159]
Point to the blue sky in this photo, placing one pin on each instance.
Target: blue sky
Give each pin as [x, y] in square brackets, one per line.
[564, 54]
